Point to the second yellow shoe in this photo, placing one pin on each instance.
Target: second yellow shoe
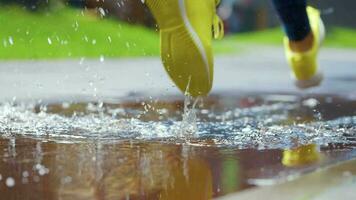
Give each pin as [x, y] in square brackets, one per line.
[304, 65]
[186, 28]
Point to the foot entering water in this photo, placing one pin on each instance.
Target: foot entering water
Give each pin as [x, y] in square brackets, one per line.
[186, 34]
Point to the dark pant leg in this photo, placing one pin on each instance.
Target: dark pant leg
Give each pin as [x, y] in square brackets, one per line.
[294, 17]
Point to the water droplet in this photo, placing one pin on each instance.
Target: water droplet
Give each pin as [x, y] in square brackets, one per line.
[11, 40]
[86, 38]
[81, 60]
[49, 41]
[101, 11]
[42, 171]
[76, 25]
[25, 174]
[10, 182]
[311, 103]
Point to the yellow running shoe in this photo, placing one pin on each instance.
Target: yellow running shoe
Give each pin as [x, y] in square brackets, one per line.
[304, 65]
[186, 34]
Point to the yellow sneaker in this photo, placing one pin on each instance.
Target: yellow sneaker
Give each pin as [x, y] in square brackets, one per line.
[304, 65]
[186, 34]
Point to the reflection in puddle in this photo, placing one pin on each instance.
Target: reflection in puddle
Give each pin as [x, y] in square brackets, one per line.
[303, 155]
[131, 150]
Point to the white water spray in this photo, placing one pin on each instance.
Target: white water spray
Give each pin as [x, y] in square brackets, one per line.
[188, 126]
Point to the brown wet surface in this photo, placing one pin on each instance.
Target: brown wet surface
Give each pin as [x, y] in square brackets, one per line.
[42, 167]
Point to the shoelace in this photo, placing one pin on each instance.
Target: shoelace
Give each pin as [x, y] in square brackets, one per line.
[218, 25]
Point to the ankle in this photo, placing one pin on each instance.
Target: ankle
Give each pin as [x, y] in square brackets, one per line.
[302, 45]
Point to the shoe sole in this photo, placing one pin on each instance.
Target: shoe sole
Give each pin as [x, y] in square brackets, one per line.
[312, 82]
[188, 67]
[318, 77]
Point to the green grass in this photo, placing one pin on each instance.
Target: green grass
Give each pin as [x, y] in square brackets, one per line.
[70, 33]
[341, 37]
[336, 37]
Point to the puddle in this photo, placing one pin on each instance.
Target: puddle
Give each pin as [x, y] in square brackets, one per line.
[131, 149]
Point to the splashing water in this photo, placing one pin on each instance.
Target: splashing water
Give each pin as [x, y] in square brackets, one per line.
[265, 126]
[188, 127]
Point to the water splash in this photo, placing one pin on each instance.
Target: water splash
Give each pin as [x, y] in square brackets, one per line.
[264, 127]
[188, 127]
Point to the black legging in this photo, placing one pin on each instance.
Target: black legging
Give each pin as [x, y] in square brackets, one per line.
[294, 17]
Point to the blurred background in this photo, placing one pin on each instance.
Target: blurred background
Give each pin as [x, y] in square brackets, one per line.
[43, 29]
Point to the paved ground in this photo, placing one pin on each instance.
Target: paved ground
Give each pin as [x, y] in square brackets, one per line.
[116, 78]
[57, 80]
[335, 182]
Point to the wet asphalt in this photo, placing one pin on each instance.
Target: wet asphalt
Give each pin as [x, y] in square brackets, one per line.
[255, 70]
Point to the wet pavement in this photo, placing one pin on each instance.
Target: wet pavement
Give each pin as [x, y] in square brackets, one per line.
[142, 77]
[69, 130]
[150, 170]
